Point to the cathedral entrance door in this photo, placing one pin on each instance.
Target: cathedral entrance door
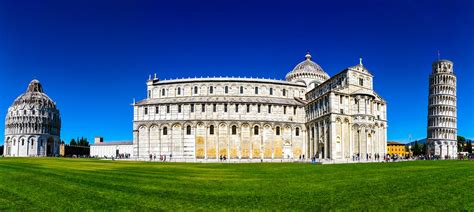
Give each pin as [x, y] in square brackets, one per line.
[49, 147]
[287, 151]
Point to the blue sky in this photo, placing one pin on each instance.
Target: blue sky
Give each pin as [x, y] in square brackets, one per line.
[93, 57]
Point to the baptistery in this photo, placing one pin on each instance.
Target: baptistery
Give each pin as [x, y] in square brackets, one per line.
[32, 124]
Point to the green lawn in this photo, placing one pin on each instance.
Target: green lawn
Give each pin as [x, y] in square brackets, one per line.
[79, 184]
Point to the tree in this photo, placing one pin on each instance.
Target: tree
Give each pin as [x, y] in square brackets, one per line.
[72, 142]
[62, 142]
[83, 142]
[424, 149]
[461, 141]
[416, 149]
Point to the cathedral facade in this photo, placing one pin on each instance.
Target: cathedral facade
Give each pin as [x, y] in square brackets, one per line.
[32, 124]
[307, 115]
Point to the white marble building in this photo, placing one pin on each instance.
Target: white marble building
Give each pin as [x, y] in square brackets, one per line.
[32, 124]
[308, 114]
[442, 109]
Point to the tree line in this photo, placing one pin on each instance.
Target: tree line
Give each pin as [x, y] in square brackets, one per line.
[464, 145]
[78, 142]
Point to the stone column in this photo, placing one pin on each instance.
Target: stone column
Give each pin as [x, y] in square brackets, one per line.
[205, 141]
[366, 144]
[217, 143]
[325, 132]
[228, 140]
[159, 140]
[343, 143]
[240, 142]
[351, 142]
[195, 145]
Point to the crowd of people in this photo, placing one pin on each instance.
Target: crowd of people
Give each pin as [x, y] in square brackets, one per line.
[162, 158]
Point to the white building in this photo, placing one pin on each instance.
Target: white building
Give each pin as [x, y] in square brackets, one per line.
[442, 109]
[111, 149]
[307, 115]
[32, 124]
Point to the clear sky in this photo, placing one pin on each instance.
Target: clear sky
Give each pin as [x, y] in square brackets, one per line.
[93, 57]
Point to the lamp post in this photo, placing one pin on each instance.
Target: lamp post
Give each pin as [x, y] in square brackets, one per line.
[409, 150]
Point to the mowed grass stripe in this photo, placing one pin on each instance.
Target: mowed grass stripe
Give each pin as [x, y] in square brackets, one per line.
[80, 184]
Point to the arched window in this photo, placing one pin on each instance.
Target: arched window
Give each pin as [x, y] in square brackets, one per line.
[22, 142]
[165, 130]
[255, 130]
[234, 130]
[271, 91]
[226, 89]
[284, 92]
[277, 130]
[188, 130]
[163, 92]
[256, 90]
[195, 89]
[179, 91]
[211, 90]
[211, 130]
[297, 133]
[241, 89]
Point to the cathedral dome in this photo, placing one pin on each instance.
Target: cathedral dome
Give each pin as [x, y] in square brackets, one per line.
[33, 112]
[34, 97]
[307, 72]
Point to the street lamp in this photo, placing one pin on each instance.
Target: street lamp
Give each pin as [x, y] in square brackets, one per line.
[409, 150]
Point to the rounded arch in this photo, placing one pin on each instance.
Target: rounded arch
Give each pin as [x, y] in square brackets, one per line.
[176, 125]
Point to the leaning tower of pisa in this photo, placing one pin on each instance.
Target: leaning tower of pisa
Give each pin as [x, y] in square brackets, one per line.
[442, 121]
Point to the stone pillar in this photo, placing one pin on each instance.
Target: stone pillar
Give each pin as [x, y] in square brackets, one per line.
[325, 132]
[206, 129]
[366, 144]
[351, 145]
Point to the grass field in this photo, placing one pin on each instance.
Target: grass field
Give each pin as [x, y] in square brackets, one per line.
[80, 184]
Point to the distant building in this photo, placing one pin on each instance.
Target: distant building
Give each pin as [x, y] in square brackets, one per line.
[32, 124]
[442, 111]
[396, 148]
[66, 150]
[110, 149]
